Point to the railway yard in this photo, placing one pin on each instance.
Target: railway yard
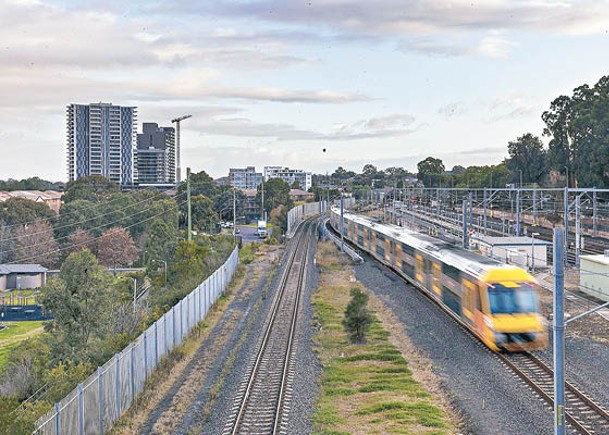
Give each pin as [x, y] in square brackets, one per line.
[258, 365]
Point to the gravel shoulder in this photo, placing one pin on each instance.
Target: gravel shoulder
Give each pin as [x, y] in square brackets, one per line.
[182, 401]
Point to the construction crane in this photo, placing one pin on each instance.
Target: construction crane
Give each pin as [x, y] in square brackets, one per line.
[178, 168]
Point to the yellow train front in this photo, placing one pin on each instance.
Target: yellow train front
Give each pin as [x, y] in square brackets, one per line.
[497, 302]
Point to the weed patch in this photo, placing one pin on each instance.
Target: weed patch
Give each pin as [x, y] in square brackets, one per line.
[365, 388]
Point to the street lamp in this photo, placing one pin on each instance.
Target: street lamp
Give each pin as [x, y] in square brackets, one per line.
[533, 251]
[164, 264]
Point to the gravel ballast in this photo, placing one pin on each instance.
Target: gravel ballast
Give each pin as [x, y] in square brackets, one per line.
[490, 398]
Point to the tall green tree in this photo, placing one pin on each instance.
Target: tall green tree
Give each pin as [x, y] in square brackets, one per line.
[430, 171]
[91, 188]
[578, 127]
[527, 155]
[82, 302]
[276, 193]
[20, 211]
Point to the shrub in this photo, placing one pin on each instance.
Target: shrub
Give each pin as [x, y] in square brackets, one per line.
[357, 319]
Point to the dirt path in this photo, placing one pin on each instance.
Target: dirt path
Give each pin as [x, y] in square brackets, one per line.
[181, 399]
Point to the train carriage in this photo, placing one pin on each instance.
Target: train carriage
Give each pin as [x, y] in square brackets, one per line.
[497, 302]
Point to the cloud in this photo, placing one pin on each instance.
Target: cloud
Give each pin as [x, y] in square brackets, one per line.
[419, 17]
[453, 109]
[510, 107]
[383, 127]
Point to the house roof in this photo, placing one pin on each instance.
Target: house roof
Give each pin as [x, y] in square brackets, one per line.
[5, 269]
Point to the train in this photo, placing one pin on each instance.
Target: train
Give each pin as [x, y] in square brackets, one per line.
[497, 302]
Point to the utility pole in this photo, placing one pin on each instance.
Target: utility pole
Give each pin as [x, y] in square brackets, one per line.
[188, 204]
[177, 121]
[559, 335]
[566, 245]
[464, 214]
[262, 198]
[485, 206]
[518, 212]
[342, 223]
[594, 214]
[234, 215]
[471, 210]
[578, 234]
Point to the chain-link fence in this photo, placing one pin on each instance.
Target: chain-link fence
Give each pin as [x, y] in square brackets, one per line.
[94, 406]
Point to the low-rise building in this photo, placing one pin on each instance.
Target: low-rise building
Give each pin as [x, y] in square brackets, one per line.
[299, 195]
[22, 276]
[289, 176]
[527, 252]
[594, 275]
[51, 198]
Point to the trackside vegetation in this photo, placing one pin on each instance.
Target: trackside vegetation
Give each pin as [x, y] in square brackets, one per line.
[369, 387]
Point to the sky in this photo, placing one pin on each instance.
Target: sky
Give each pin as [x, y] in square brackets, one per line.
[270, 82]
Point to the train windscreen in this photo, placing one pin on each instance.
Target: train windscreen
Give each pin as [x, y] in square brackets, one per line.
[507, 300]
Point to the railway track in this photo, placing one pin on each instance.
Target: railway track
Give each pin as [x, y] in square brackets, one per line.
[582, 414]
[262, 403]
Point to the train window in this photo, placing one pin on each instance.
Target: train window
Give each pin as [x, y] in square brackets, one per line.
[360, 240]
[512, 299]
[451, 272]
[380, 237]
[408, 249]
[408, 269]
[380, 251]
[392, 247]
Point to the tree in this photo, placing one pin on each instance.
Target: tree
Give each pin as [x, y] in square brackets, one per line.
[115, 247]
[276, 193]
[357, 319]
[203, 214]
[579, 131]
[20, 211]
[200, 184]
[527, 155]
[161, 240]
[80, 240]
[91, 188]
[82, 302]
[36, 244]
[296, 185]
[430, 171]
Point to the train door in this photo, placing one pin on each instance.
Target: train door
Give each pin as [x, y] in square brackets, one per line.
[419, 271]
[437, 278]
[398, 256]
[469, 305]
[478, 315]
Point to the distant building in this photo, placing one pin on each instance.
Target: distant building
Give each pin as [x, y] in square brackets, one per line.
[18, 276]
[289, 176]
[299, 195]
[244, 178]
[101, 140]
[156, 155]
[51, 198]
[251, 208]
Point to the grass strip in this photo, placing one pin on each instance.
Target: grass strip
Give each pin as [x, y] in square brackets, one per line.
[364, 388]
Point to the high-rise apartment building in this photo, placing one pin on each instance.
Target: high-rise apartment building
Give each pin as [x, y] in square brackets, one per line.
[289, 176]
[156, 154]
[101, 140]
[244, 178]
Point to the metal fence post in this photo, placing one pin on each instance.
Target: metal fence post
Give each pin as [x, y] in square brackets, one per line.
[156, 343]
[173, 321]
[145, 334]
[57, 418]
[132, 371]
[81, 411]
[117, 386]
[100, 401]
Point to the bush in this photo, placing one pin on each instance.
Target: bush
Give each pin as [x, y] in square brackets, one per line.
[357, 319]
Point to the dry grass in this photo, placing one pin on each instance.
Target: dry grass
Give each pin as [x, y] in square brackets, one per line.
[382, 386]
[171, 369]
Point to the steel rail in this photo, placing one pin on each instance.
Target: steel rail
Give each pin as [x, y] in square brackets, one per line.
[274, 311]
